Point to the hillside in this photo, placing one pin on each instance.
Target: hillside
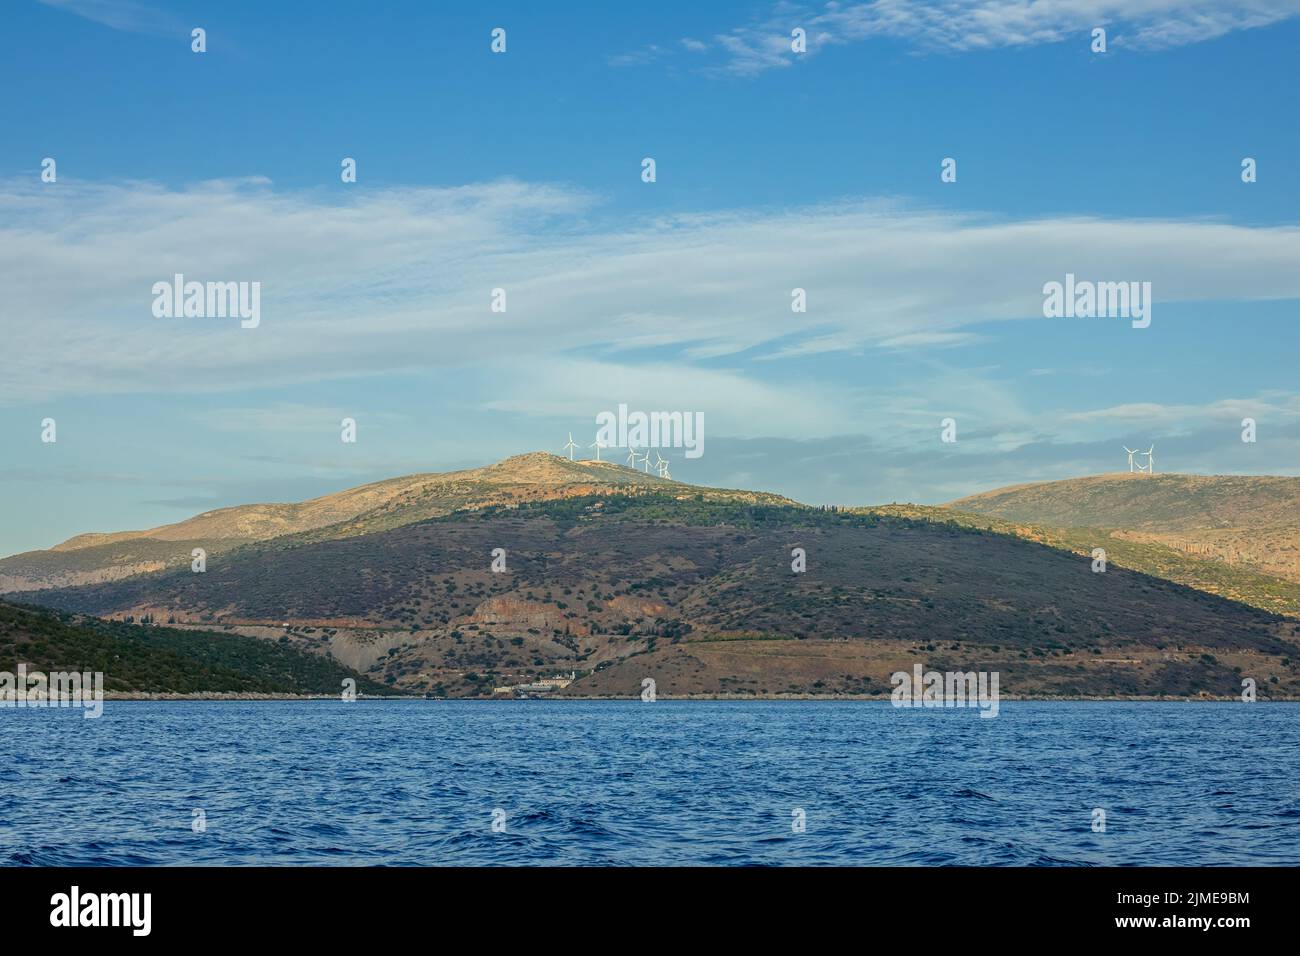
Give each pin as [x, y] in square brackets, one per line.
[1250, 523]
[1235, 581]
[698, 592]
[95, 558]
[147, 659]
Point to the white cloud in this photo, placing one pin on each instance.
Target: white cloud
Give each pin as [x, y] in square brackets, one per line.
[124, 15]
[732, 403]
[1278, 408]
[647, 54]
[963, 25]
[936, 339]
[374, 282]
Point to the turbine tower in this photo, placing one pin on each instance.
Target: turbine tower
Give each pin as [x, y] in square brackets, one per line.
[646, 459]
[1151, 460]
[631, 457]
[598, 445]
[1131, 453]
[570, 446]
[662, 464]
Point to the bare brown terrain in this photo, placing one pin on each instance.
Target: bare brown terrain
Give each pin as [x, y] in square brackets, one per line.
[613, 575]
[775, 668]
[703, 593]
[1245, 521]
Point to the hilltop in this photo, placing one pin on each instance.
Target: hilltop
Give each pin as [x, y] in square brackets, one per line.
[538, 476]
[1251, 523]
[1201, 571]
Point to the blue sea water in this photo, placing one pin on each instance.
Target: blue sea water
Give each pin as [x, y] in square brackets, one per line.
[669, 782]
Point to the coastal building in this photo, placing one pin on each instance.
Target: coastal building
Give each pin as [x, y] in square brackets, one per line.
[541, 685]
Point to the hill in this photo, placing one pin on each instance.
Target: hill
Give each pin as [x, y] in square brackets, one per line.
[1236, 581]
[1246, 522]
[95, 557]
[697, 591]
[146, 659]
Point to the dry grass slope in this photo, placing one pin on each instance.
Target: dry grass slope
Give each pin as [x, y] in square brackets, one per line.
[1248, 522]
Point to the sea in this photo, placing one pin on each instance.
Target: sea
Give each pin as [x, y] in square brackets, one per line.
[633, 783]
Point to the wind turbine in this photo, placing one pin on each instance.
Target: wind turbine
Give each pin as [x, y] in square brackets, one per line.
[1151, 460]
[631, 457]
[570, 446]
[1131, 453]
[598, 445]
[662, 464]
[646, 459]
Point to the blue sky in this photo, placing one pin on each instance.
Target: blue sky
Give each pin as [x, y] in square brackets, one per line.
[522, 171]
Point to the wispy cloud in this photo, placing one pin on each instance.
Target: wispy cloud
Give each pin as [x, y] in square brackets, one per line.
[1278, 407]
[394, 280]
[736, 404]
[965, 25]
[125, 15]
[876, 468]
[647, 54]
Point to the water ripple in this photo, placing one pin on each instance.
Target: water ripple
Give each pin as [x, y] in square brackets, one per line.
[624, 783]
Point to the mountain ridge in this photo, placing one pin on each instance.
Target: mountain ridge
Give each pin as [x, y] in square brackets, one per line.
[96, 557]
[705, 594]
[1250, 521]
[530, 468]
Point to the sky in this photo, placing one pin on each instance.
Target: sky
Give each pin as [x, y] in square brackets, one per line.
[522, 170]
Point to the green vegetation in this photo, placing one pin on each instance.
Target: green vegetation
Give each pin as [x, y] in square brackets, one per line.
[1233, 581]
[667, 507]
[607, 566]
[141, 658]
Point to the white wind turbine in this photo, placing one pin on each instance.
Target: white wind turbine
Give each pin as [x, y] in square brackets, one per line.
[1131, 453]
[662, 464]
[646, 459]
[598, 445]
[1151, 460]
[570, 446]
[631, 457]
